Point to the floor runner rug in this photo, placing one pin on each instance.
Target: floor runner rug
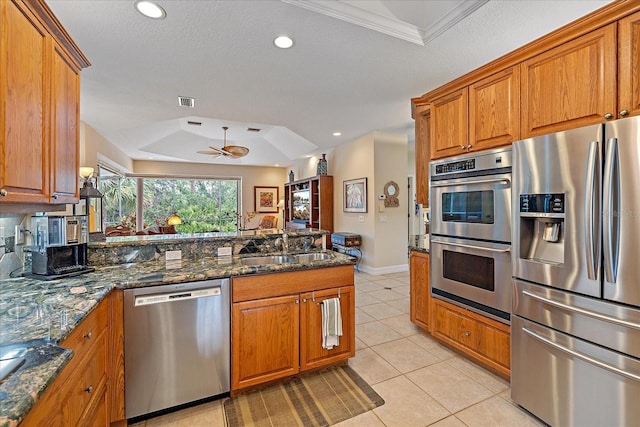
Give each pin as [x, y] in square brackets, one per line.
[323, 398]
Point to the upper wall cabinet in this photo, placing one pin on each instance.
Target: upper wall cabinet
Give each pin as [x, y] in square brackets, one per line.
[449, 124]
[494, 110]
[629, 66]
[423, 125]
[39, 96]
[482, 116]
[571, 85]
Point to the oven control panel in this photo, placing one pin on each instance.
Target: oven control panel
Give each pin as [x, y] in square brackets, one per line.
[542, 203]
[461, 166]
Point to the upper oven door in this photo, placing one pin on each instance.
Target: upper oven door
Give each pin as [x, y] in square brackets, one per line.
[477, 207]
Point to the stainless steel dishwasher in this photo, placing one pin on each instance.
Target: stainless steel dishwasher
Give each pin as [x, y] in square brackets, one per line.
[176, 344]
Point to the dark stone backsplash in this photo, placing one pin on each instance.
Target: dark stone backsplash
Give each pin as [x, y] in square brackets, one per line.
[126, 250]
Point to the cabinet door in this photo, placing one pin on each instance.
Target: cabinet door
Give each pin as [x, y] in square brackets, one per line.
[495, 344]
[264, 343]
[312, 354]
[570, 86]
[65, 91]
[629, 63]
[23, 96]
[419, 289]
[423, 137]
[449, 124]
[455, 326]
[494, 110]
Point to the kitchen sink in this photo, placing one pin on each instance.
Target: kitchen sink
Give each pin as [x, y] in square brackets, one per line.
[266, 260]
[11, 358]
[314, 256]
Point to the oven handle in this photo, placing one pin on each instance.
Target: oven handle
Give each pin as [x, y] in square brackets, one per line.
[462, 245]
[579, 355]
[582, 311]
[505, 181]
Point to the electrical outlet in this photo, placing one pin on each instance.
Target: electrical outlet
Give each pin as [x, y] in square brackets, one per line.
[361, 218]
[224, 251]
[18, 235]
[173, 255]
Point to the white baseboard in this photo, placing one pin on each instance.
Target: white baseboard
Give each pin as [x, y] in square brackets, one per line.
[400, 268]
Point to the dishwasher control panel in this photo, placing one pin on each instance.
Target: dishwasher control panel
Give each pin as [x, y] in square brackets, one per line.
[174, 296]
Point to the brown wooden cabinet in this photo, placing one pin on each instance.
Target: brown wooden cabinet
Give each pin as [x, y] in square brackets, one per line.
[423, 156]
[309, 203]
[80, 394]
[571, 85]
[450, 124]
[39, 96]
[482, 339]
[276, 323]
[312, 354]
[494, 110]
[420, 293]
[629, 66]
[481, 116]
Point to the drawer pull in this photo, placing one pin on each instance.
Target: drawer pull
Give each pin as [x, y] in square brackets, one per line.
[88, 335]
[89, 389]
[3, 192]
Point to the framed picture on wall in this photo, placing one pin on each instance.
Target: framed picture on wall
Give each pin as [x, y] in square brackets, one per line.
[355, 195]
[266, 199]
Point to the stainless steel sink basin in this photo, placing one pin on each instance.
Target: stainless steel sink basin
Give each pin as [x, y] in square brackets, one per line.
[266, 260]
[10, 360]
[313, 256]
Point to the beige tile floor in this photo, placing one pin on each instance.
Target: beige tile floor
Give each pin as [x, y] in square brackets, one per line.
[422, 382]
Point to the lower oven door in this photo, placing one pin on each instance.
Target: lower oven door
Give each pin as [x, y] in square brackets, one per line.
[566, 381]
[474, 274]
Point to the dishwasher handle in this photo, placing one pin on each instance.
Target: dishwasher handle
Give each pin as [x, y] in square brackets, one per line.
[169, 297]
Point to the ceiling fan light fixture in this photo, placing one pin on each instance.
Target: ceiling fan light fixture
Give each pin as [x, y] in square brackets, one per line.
[233, 151]
[150, 9]
[283, 42]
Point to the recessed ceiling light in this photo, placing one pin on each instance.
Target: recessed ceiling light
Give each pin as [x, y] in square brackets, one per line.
[150, 9]
[337, 133]
[283, 42]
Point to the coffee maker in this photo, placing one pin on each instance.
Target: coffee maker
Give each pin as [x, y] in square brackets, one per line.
[60, 246]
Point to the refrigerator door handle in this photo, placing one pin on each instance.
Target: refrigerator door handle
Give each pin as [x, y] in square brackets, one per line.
[579, 355]
[611, 208]
[591, 215]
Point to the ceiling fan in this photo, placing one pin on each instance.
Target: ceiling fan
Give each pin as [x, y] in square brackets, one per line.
[233, 151]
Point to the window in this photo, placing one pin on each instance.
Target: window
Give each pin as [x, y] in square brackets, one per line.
[203, 205]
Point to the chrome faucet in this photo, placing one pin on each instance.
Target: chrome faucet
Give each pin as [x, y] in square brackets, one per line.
[283, 242]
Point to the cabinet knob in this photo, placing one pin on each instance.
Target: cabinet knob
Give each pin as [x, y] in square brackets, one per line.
[89, 389]
[608, 116]
[297, 301]
[3, 192]
[88, 335]
[463, 147]
[467, 333]
[624, 112]
[469, 146]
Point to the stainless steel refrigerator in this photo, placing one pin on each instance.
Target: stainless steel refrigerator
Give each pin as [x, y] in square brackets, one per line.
[575, 328]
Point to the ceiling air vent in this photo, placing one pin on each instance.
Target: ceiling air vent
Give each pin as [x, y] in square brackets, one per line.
[253, 130]
[185, 101]
[189, 122]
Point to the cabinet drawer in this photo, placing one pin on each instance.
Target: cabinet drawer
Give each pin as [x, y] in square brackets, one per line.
[87, 332]
[86, 384]
[457, 327]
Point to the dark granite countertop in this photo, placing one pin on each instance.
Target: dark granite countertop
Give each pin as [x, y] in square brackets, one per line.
[419, 243]
[39, 314]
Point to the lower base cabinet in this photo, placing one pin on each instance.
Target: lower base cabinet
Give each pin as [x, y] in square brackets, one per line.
[79, 395]
[420, 292]
[276, 322]
[482, 339]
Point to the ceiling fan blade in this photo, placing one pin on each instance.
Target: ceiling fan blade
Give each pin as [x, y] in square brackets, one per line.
[210, 153]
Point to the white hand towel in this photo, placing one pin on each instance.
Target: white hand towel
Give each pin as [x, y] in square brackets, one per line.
[331, 323]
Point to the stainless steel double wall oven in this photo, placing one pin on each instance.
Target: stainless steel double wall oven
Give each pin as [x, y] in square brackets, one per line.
[470, 202]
